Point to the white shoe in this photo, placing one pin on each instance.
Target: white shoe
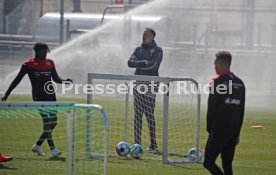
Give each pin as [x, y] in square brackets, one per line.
[55, 152]
[37, 149]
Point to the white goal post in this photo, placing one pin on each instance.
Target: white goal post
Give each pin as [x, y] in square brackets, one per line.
[177, 114]
[21, 124]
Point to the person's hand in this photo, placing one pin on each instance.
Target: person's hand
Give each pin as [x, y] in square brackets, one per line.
[69, 80]
[133, 58]
[238, 140]
[4, 98]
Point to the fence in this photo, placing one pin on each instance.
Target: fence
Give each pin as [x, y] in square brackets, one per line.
[248, 32]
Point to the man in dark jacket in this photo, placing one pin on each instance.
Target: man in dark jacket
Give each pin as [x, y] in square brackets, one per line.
[41, 72]
[224, 116]
[146, 59]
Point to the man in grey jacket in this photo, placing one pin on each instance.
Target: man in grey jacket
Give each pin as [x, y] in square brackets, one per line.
[146, 59]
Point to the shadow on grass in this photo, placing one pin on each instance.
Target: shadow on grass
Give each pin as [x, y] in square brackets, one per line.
[61, 159]
[198, 166]
[6, 167]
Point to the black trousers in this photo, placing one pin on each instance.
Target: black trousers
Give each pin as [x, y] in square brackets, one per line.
[49, 118]
[144, 104]
[223, 145]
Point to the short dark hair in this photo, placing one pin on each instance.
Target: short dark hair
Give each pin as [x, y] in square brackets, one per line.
[225, 57]
[151, 31]
[41, 46]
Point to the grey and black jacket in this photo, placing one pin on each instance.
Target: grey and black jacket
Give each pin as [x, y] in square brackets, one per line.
[146, 59]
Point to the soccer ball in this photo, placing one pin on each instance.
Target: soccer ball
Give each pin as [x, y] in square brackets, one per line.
[136, 151]
[192, 154]
[122, 149]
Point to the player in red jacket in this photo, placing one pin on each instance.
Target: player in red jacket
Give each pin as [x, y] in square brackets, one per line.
[41, 72]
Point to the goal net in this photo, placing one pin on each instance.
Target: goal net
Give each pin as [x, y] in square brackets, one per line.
[164, 120]
[22, 124]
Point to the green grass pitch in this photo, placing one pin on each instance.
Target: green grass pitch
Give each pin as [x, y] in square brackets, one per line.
[256, 154]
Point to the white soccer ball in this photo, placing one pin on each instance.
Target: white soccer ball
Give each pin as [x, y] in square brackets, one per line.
[192, 154]
[122, 149]
[136, 151]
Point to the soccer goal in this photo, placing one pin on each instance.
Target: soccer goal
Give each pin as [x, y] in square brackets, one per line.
[167, 116]
[21, 125]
